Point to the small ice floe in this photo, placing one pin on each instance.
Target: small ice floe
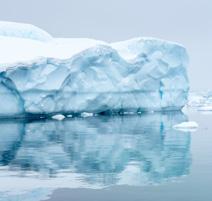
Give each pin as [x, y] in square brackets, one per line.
[86, 114]
[186, 126]
[58, 117]
[69, 115]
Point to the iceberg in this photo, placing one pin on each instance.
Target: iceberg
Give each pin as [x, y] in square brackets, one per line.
[72, 76]
[201, 101]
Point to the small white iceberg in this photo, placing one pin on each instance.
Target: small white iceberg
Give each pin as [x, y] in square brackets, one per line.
[188, 126]
[58, 117]
[86, 114]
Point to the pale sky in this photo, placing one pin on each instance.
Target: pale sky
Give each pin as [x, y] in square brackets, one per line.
[188, 22]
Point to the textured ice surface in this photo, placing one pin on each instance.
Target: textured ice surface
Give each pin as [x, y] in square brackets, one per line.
[93, 152]
[84, 75]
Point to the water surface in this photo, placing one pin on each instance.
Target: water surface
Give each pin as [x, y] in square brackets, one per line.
[135, 157]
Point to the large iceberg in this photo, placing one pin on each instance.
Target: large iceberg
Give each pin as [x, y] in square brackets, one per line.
[84, 75]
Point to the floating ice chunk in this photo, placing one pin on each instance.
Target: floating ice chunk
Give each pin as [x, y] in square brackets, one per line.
[69, 115]
[186, 126]
[86, 114]
[58, 117]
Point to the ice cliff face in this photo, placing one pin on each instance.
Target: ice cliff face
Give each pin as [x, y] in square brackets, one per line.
[84, 75]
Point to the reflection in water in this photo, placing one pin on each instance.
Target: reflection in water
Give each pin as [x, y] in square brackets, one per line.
[93, 152]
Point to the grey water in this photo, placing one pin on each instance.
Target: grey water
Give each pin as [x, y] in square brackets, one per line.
[107, 158]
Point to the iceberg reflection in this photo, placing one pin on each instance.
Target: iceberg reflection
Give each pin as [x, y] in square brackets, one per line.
[97, 151]
[40, 156]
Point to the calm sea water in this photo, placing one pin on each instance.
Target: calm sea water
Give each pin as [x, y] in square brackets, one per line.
[107, 158]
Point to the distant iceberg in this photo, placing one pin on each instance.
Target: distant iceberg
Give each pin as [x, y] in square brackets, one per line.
[201, 101]
[40, 74]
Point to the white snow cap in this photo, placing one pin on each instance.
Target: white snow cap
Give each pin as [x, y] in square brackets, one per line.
[22, 30]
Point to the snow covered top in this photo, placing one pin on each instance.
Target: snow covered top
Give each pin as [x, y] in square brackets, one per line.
[131, 49]
[21, 30]
[15, 50]
[25, 43]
